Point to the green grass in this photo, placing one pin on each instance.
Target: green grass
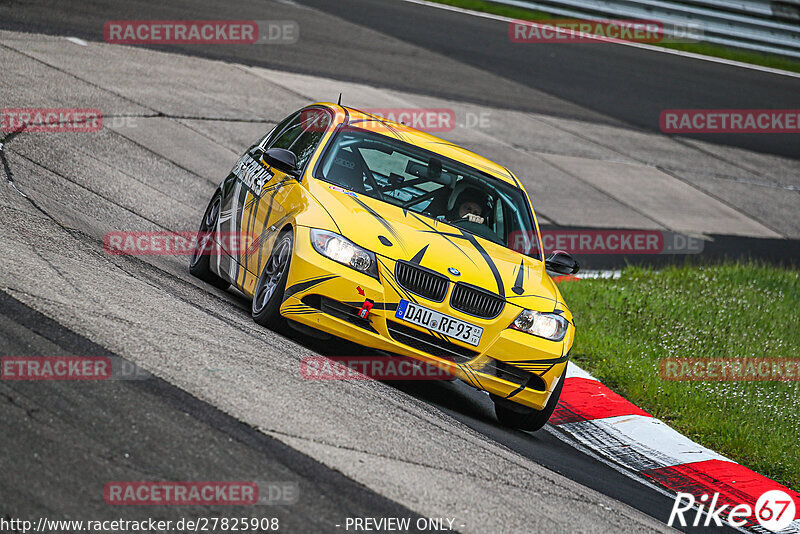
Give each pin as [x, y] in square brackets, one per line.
[626, 326]
[707, 49]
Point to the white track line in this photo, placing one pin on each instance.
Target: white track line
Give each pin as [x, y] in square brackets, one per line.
[653, 48]
[633, 444]
[574, 371]
[639, 442]
[637, 477]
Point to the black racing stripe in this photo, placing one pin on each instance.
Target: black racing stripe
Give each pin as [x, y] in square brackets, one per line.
[240, 205]
[244, 226]
[248, 205]
[410, 297]
[261, 233]
[470, 371]
[266, 220]
[508, 297]
[445, 143]
[380, 120]
[511, 175]
[540, 373]
[418, 256]
[306, 284]
[237, 228]
[438, 335]
[251, 229]
[388, 306]
[391, 229]
[489, 261]
[553, 361]
[445, 235]
[520, 279]
[467, 370]
[397, 132]
[547, 370]
[297, 307]
[248, 214]
[389, 276]
[515, 391]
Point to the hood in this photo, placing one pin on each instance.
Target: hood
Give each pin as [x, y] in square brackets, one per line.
[400, 234]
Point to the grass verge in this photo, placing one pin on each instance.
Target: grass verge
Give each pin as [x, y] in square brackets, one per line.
[626, 326]
[706, 49]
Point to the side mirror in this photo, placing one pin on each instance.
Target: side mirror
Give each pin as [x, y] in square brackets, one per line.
[282, 159]
[562, 263]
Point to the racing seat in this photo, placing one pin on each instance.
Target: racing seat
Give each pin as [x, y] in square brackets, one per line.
[347, 171]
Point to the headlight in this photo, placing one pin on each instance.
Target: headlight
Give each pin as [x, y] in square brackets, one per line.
[547, 325]
[339, 249]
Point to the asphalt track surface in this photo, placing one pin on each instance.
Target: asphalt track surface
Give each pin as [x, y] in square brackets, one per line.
[358, 41]
[85, 435]
[166, 433]
[625, 83]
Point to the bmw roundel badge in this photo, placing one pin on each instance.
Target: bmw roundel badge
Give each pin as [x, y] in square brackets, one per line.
[454, 271]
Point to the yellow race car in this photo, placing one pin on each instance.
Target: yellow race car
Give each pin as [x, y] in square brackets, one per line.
[378, 233]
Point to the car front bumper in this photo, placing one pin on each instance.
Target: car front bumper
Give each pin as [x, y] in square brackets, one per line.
[327, 296]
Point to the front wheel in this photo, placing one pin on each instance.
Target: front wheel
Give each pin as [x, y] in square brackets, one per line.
[524, 418]
[271, 284]
[199, 263]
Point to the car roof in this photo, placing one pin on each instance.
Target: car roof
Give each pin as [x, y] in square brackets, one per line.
[401, 132]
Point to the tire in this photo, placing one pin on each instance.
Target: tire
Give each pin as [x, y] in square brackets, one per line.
[199, 263]
[524, 418]
[268, 295]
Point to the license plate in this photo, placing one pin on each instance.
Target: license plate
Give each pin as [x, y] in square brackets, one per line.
[439, 322]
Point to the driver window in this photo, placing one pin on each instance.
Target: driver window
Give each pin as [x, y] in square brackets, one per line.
[290, 133]
[313, 125]
[275, 132]
[301, 133]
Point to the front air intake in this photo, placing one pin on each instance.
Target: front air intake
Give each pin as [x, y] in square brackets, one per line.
[476, 301]
[421, 281]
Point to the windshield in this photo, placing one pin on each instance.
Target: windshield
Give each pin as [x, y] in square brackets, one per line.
[423, 182]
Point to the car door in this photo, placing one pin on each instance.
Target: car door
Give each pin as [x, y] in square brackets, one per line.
[235, 191]
[265, 212]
